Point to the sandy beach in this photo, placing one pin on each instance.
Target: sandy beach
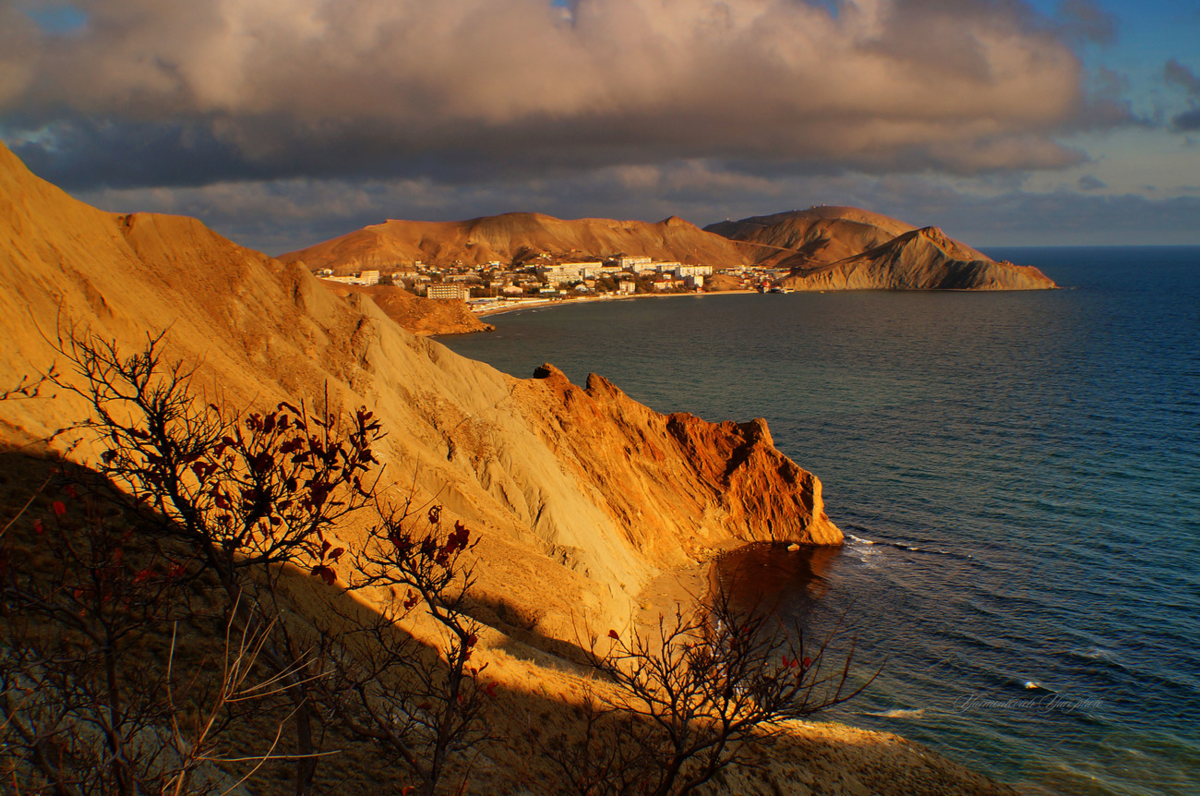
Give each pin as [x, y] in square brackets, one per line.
[502, 308]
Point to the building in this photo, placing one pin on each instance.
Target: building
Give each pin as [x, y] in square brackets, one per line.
[684, 271]
[368, 278]
[451, 292]
[634, 263]
[567, 273]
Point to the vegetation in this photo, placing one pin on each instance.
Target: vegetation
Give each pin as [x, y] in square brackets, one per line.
[207, 523]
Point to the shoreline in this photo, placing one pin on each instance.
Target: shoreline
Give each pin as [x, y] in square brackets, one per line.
[537, 305]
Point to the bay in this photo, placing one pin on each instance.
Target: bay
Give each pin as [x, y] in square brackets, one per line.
[1017, 478]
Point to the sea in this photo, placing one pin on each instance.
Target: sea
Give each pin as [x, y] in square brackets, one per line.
[1017, 476]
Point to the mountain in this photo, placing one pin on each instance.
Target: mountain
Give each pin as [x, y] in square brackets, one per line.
[578, 496]
[517, 237]
[845, 248]
[530, 463]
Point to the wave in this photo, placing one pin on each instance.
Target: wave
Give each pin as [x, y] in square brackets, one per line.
[899, 713]
[909, 548]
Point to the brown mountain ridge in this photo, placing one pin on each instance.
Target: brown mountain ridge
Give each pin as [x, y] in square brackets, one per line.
[821, 248]
[517, 238]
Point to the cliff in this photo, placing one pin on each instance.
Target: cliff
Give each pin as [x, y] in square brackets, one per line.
[517, 237]
[579, 495]
[845, 248]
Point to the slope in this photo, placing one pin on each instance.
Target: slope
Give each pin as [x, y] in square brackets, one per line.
[845, 248]
[506, 455]
[516, 237]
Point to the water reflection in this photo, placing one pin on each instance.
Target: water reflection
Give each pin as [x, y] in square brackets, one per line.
[769, 577]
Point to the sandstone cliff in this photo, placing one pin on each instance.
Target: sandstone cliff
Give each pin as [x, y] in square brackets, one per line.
[845, 248]
[517, 237]
[579, 495]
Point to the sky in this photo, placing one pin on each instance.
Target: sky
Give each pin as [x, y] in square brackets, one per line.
[281, 123]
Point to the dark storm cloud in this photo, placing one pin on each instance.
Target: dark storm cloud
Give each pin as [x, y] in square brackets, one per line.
[193, 93]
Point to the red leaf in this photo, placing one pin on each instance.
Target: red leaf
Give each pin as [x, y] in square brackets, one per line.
[325, 573]
[38, 528]
[60, 508]
[807, 662]
[70, 490]
[614, 635]
[336, 553]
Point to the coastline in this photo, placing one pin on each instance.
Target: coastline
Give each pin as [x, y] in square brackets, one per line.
[504, 309]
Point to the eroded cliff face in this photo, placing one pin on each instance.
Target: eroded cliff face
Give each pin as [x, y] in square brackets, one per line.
[676, 485]
[578, 495]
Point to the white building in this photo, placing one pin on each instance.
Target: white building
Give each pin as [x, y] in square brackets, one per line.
[633, 263]
[568, 272]
[451, 292]
[368, 278]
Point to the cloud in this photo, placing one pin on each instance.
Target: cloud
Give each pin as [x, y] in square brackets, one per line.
[1087, 21]
[1176, 74]
[1089, 182]
[283, 215]
[148, 93]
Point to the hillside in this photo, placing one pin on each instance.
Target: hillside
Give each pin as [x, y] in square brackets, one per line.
[845, 248]
[516, 237]
[499, 452]
[418, 315]
[578, 496]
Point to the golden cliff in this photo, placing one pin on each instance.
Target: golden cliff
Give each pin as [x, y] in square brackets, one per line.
[579, 495]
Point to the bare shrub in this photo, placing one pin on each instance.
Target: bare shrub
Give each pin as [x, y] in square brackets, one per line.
[686, 701]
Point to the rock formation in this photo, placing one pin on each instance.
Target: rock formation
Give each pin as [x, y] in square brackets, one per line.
[578, 495]
[844, 248]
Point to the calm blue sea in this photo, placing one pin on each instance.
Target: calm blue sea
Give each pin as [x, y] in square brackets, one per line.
[1018, 477]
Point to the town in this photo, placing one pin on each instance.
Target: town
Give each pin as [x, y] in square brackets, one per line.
[540, 279]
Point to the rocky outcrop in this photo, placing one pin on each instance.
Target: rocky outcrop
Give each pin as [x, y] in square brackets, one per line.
[578, 495]
[678, 485]
[845, 248]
